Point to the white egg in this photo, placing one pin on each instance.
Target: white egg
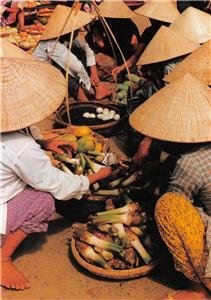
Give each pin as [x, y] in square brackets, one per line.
[116, 117]
[99, 110]
[112, 112]
[92, 116]
[106, 111]
[104, 117]
[86, 115]
[99, 116]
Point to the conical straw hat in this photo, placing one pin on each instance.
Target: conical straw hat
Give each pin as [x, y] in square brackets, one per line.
[115, 9]
[197, 63]
[64, 20]
[179, 112]
[30, 91]
[165, 45]
[193, 24]
[165, 11]
[8, 49]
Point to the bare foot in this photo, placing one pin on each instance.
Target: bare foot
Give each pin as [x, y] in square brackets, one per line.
[101, 92]
[11, 278]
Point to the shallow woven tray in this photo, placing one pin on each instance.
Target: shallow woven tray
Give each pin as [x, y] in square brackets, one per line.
[54, 133]
[115, 274]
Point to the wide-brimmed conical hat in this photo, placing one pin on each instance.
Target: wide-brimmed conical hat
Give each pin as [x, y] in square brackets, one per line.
[8, 49]
[141, 22]
[64, 20]
[115, 9]
[165, 11]
[30, 91]
[165, 45]
[194, 25]
[197, 63]
[179, 112]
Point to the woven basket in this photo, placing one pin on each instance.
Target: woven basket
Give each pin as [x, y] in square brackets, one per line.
[114, 274]
[107, 129]
[55, 133]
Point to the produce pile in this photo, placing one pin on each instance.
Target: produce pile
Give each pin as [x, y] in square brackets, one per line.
[83, 154]
[24, 40]
[138, 85]
[116, 238]
[117, 235]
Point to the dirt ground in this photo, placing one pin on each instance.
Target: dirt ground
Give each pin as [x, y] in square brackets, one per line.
[46, 261]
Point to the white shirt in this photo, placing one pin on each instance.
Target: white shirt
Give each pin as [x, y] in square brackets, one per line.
[23, 162]
[47, 50]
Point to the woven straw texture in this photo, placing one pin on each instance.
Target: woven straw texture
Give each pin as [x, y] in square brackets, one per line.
[30, 91]
[115, 274]
[64, 20]
[166, 44]
[194, 25]
[165, 11]
[115, 9]
[179, 112]
[8, 49]
[197, 63]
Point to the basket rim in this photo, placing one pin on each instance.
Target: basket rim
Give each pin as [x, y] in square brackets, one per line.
[109, 273]
[93, 127]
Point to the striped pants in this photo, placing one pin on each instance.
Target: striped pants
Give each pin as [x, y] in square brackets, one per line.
[29, 211]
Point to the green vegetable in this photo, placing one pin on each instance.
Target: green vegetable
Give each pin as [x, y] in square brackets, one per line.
[121, 86]
[105, 254]
[64, 168]
[127, 219]
[116, 182]
[65, 158]
[131, 179]
[137, 230]
[128, 83]
[88, 253]
[114, 192]
[134, 78]
[136, 244]
[96, 153]
[120, 231]
[122, 94]
[91, 239]
[82, 161]
[128, 208]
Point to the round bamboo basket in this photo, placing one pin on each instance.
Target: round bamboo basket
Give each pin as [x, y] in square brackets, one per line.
[114, 274]
[107, 128]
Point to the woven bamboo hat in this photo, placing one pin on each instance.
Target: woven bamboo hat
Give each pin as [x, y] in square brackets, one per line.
[197, 63]
[166, 44]
[8, 49]
[115, 9]
[179, 112]
[165, 11]
[64, 20]
[30, 91]
[193, 24]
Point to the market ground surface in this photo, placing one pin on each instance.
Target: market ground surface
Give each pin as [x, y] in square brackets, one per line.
[53, 274]
[46, 261]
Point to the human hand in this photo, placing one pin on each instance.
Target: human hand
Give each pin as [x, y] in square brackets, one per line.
[117, 70]
[101, 174]
[143, 150]
[56, 145]
[14, 9]
[94, 78]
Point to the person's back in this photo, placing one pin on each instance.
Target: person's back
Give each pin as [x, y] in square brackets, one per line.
[192, 177]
